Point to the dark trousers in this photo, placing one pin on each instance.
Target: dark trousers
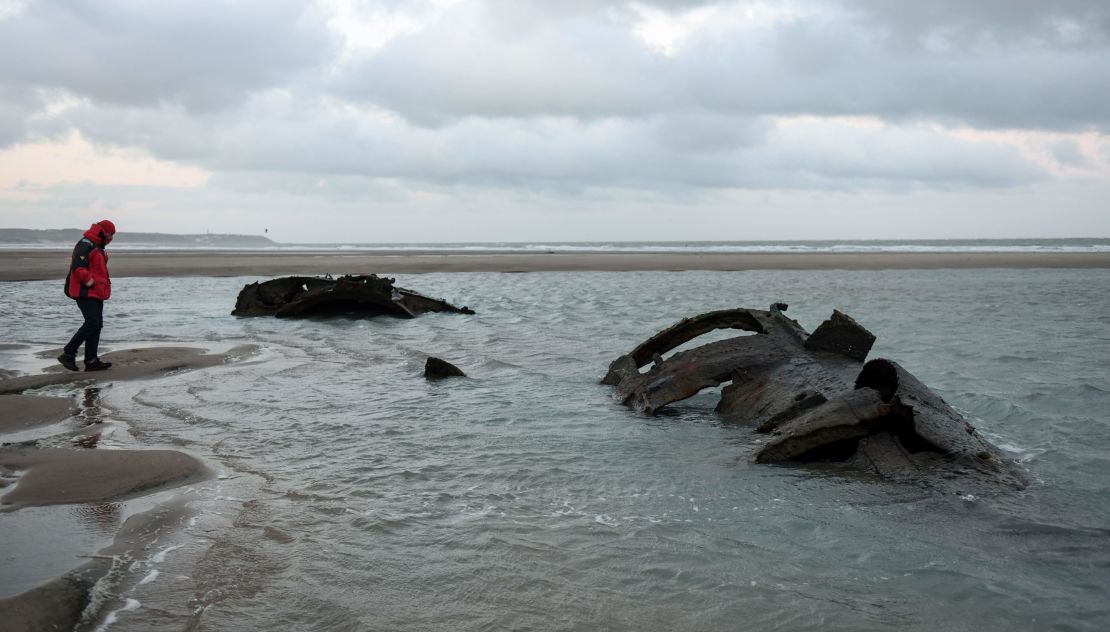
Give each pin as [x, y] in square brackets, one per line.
[89, 333]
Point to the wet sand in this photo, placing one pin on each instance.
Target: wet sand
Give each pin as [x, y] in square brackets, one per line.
[59, 476]
[38, 473]
[32, 265]
[73, 601]
[56, 476]
[129, 364]
[31, 411]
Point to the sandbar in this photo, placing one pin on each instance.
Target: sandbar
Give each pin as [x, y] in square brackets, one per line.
[20, 412]
[128, 364]
[33, 265]
[54, 476]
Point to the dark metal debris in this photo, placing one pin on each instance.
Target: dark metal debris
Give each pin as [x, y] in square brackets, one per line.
[364, 295]
[813, 395]
[436, 369]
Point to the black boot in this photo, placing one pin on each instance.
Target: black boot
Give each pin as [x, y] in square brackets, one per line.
[97, 365]
[68, 361]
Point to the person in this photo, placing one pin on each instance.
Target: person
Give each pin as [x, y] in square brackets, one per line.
[88, 283]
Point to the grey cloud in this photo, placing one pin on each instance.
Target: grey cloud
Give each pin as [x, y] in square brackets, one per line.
[1058, 22]
[167, 132]
[572, 7]
[867, 156]
[681, 149]
[836, 69]
[827, 64]
[702, 131]
[456, 68]
[1066, 151]
[11, 124]
[16, 107]
[675, 152]
[571, 104]
[132, 52]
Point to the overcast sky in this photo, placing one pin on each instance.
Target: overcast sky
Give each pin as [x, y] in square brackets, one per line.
[524, 120]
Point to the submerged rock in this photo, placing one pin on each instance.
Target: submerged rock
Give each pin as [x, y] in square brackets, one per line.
[365, 295]
[436, 369]
[814, 395]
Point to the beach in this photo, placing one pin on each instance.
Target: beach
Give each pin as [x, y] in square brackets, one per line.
[29, 265]
[243, 473]
[53, 463]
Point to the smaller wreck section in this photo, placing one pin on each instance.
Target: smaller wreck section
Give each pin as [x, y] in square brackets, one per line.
[437, 369]
[813, 395]
[362, 295]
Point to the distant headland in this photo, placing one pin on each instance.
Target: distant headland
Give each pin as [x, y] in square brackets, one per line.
[68, 236]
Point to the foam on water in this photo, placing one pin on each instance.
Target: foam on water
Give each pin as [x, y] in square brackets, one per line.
[113, 616]
[160, 557]
[355, 495]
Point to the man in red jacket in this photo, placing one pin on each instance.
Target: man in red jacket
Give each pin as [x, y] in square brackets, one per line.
[88, 283]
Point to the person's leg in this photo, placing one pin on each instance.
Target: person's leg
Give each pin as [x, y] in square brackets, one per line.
[89, 333]
[82, 331]
[93, 311]
[74, 343]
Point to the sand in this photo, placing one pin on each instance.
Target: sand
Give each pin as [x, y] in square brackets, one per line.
[21, 412]
[42, 476]
[61, 476]
[56, 605]
[72, 600]
[56, 476]
[31, 265]
[129, 364]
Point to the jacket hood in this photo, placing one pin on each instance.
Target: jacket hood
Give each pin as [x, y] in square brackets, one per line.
[101, 232]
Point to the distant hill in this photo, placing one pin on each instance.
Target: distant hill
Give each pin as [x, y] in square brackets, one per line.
[69, 236]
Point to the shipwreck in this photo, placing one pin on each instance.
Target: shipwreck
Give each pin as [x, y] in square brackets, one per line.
[361, 295]
[813, 397]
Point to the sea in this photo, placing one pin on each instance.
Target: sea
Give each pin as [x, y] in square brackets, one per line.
[349, 493]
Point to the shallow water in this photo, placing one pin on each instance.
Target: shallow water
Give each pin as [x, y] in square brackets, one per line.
[353, 495]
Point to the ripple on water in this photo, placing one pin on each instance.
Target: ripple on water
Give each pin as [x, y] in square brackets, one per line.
[526, 498]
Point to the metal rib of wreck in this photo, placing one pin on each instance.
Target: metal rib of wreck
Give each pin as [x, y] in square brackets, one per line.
[813, 394]
[364, 295]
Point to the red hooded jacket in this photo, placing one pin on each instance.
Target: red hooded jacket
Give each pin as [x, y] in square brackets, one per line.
[90, 262]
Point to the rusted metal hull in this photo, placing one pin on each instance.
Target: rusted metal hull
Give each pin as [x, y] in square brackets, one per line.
[362, 295]
[813, 396]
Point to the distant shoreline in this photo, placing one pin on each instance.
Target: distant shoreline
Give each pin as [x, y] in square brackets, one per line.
[17, 238]
[63, 239]
[40, 264]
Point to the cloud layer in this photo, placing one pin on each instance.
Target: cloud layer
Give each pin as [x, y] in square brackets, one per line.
[479, 100]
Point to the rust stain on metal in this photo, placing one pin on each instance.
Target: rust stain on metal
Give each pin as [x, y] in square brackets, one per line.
[813, 396]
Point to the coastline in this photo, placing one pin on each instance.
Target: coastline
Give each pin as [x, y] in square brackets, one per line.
[37, 265]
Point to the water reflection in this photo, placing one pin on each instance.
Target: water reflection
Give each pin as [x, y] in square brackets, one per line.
[92, 411]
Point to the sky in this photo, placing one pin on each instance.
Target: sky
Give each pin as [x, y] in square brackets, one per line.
[572, 120]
